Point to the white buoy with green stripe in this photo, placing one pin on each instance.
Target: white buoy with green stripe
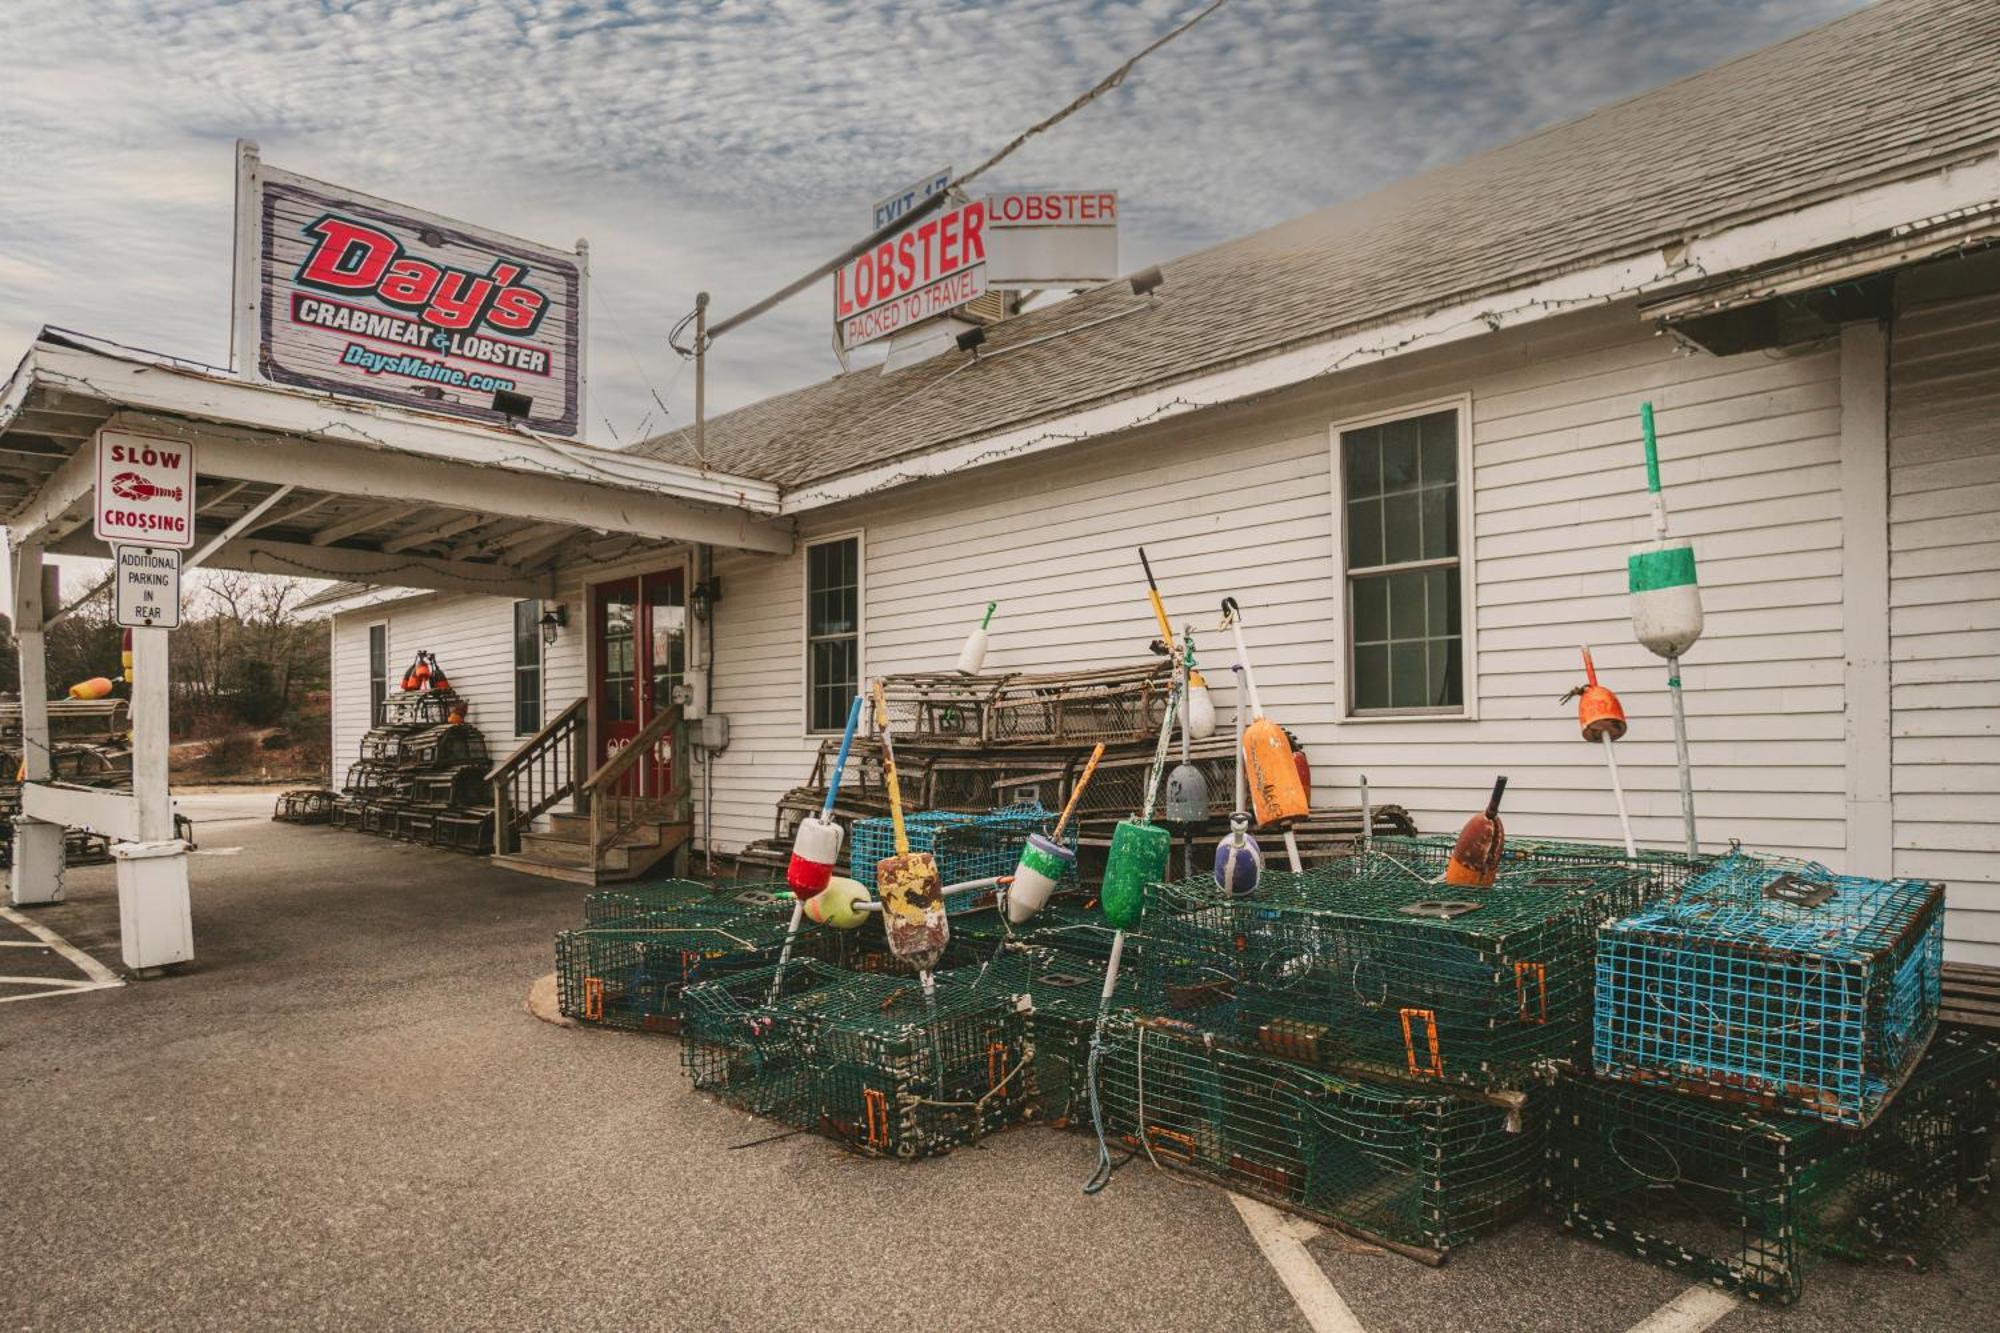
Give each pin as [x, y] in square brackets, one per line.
[1666, 611]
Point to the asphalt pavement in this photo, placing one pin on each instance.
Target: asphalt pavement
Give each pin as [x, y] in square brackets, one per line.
[342, 1116]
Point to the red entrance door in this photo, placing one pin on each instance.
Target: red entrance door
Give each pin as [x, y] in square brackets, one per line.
[640, 626]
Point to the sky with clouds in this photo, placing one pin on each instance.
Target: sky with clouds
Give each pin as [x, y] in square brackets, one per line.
[733, 146]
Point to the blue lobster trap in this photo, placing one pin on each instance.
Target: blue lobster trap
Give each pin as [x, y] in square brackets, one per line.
[1774, 983]
[966, 846]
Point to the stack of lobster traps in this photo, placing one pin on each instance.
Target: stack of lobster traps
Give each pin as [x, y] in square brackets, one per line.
[420, 776]
[90, 743]
[1767, 1084]
[982, 744]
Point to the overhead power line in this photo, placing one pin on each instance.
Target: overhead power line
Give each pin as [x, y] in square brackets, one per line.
[936, 201]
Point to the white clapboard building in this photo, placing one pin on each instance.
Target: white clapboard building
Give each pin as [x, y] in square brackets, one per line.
[1404, 433]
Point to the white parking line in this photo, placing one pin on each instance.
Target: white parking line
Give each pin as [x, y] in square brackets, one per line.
[1277, 1235]
[1690, 1312]
[96, 975]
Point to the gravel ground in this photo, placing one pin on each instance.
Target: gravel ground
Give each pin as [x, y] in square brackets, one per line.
[342, 1117]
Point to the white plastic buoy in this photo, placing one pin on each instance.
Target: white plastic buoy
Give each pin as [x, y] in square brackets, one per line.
[1045, 861]
[1666, 612]
[973, 655]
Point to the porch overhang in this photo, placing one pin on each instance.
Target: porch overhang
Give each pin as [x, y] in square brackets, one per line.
[296, 482]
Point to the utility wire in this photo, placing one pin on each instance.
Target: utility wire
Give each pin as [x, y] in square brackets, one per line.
[936, 201]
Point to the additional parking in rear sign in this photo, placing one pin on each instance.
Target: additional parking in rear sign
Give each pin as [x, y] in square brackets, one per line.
[148, 587]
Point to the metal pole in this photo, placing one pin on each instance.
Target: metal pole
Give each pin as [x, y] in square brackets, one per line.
[1681, 753]
[701, 377]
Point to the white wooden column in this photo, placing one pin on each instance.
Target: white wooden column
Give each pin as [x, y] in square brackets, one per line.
[36, 876]
[1864, 582]
[150, 734]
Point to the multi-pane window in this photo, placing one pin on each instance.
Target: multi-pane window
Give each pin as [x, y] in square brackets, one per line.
[378, 672]
[833, 631]
[1399, 490]
[618, 606]
[527, 668]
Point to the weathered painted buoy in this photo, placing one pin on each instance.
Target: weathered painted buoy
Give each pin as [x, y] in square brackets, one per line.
[814, 850]
[1200, 718]
[1239, 861]
[1138, 857]
[1666, 599]
[973, 655]
[1475, 858]
[840, 904]
[1045, 861]
[1043, 866]
[907, 882]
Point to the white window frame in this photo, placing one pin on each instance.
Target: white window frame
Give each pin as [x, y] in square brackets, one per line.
[515, 668]
[389, 679]
[860, 540]
[1468, 581]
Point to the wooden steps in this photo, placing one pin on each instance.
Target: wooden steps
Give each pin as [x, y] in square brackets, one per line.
[1971, 996]
[562, 851]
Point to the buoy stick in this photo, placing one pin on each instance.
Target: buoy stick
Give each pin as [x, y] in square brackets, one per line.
[840, 761]
[1653, 471]
[1076, 792]
[1681, 755]
[1367, 819]
[889, 771]
[1618, 794]
[825, 816]
[1159, 607]
[1292, 851]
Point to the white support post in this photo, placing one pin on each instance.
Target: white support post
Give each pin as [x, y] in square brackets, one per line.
[1864, 582]
[155, 924]
[36, 876]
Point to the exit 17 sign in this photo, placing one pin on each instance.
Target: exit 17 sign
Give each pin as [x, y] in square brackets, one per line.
[145, 490]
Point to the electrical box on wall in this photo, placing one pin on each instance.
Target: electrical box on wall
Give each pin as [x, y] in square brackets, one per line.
[713, 734]
[692, 693]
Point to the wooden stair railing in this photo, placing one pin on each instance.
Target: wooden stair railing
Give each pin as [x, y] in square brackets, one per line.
[616, 794]
[546, 767]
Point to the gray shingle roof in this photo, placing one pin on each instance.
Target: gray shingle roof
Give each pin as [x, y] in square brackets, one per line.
[1888, 92]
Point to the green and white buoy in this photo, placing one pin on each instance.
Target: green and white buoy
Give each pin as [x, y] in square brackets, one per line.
[1666, 611]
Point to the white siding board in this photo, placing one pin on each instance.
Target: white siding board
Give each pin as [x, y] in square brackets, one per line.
[1944, 515]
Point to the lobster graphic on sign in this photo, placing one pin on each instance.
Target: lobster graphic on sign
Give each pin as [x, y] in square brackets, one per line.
[132, 486]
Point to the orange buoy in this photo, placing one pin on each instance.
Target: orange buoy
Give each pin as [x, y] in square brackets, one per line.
[1602, 720]
[97, 687]
[1475, 857]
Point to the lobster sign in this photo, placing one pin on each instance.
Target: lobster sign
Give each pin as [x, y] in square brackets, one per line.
[145, 490]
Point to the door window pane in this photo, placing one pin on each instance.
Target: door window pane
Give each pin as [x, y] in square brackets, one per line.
[667, 649]
[620, 659]
[378, 672]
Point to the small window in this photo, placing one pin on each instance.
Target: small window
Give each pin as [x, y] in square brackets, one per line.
[833, 631]
[1405, 623]
[527, 668]
[378, 672]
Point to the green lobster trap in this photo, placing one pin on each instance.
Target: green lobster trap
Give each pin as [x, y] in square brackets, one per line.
[1746, 1199]
[1367, 962]
[1664, 872]
[865, 1058]
[628, 967]
[1420, 1169]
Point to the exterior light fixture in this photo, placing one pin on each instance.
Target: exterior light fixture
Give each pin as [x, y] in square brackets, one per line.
[704, 597]
[970, 340]
[553, 619]
[510, 404]
[1147, 281]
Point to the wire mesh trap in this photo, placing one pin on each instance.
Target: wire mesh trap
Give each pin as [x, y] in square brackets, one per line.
[966, 847]
[1775, 983]
[1665, 872]
[1426, 1169]
[306, 805]
[865, 1058]
[638, 951]
[1747, 1198]
[1365, 962]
